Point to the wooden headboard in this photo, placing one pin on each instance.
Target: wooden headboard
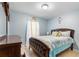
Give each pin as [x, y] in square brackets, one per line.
[65, 29]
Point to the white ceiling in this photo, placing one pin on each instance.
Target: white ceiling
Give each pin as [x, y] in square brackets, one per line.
[55, 8]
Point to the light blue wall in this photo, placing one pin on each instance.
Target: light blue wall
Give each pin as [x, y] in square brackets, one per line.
[43, 26]
[18, 22]
[2, 22]
[70, 20]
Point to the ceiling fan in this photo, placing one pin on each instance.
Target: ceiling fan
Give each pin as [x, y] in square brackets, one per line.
[5, 6]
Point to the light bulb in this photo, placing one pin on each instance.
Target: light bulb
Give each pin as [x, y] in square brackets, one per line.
[44, 6]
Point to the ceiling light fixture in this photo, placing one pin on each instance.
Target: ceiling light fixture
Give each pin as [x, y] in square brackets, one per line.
[44, 6]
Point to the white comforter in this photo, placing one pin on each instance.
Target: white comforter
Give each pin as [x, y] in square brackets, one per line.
[53, 42]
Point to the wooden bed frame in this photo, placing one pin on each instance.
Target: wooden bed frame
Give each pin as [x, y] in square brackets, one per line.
[42, 49]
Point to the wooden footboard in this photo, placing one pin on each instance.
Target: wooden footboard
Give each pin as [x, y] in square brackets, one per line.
[38, 47]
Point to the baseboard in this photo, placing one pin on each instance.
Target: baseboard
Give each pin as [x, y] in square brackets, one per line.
[76, 50]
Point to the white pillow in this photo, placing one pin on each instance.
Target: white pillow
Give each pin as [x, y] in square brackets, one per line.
[66, 34]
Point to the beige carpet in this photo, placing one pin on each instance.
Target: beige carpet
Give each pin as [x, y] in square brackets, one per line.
[67, 53]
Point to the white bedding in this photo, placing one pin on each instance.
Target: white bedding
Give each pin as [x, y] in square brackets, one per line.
[53, 42]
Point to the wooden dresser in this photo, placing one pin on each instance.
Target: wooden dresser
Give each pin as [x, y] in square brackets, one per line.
[11, 48]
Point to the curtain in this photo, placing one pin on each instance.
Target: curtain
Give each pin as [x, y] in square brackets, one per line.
[32, 28]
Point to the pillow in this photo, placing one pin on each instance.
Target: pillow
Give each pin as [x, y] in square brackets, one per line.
[57, 33]
[54, 33]
[66, 34]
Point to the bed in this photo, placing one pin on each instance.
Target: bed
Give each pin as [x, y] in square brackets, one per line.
[42, 48]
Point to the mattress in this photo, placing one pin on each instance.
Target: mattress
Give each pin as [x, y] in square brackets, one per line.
[54, 42]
